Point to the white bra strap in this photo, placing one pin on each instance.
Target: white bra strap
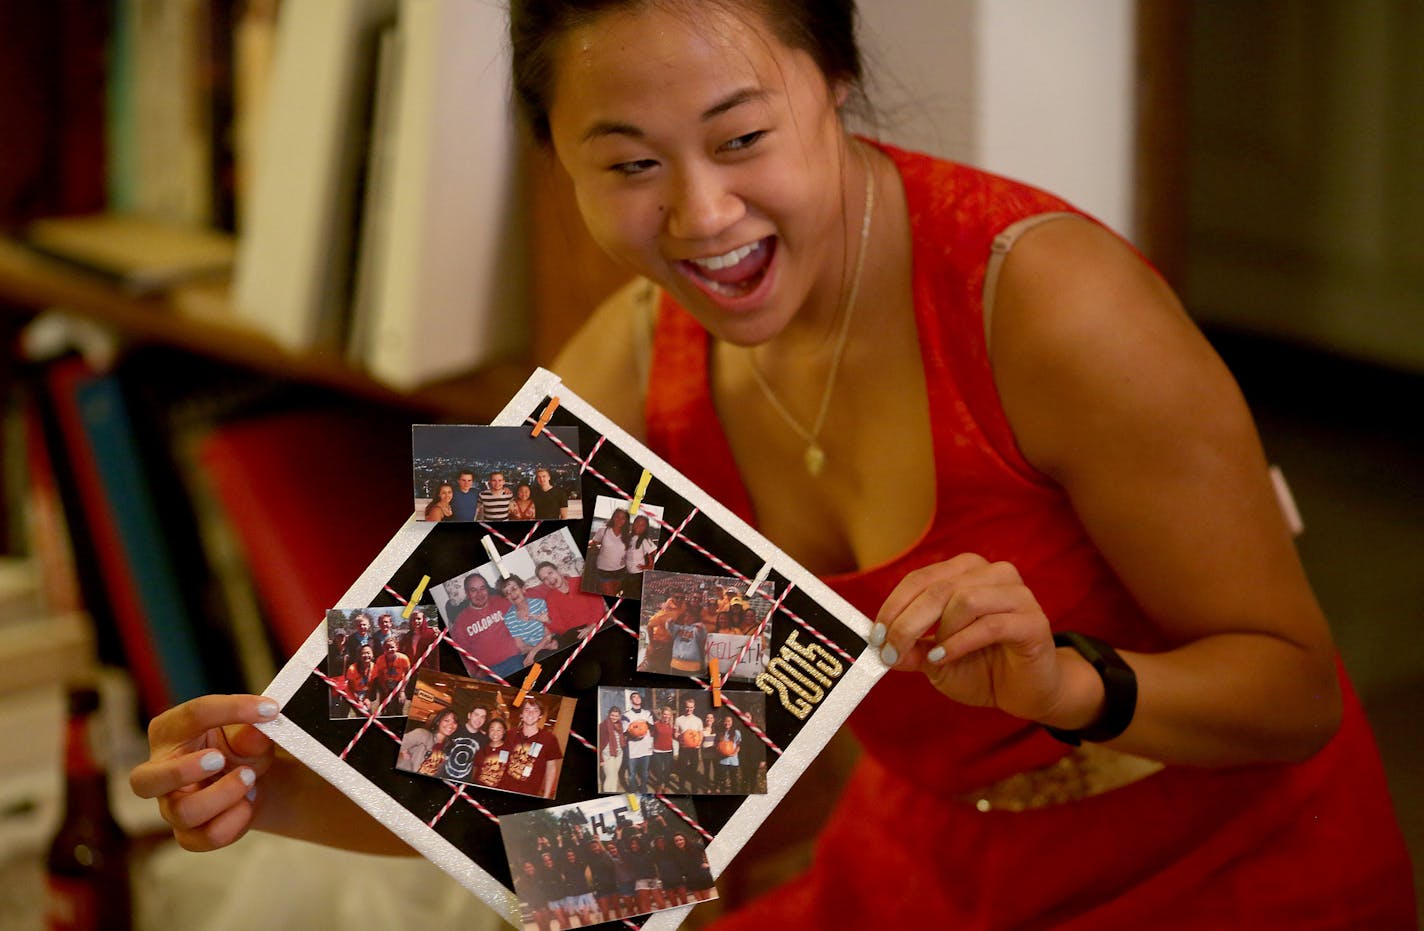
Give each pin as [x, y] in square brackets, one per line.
[999, 250]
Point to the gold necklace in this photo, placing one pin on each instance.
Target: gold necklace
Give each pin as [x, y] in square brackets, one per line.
[815, 457]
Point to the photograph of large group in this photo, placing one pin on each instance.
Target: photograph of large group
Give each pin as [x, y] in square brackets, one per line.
[604, 859]
[664, 740]
[687, 619]
[471, 732]
[470, 473]
[370, 653]
[527, 606]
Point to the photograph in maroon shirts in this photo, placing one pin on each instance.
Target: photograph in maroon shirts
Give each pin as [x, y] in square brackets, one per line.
[467, 731]
[604, 859]
[670, 741]
[463, 472]
[530, 606]
[686, 620]
[372, 654]
[621, 546]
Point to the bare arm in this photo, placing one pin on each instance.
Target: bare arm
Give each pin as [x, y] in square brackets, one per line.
[1113, 393]
[603, 360]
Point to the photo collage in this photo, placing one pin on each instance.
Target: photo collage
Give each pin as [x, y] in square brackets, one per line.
[626, 851]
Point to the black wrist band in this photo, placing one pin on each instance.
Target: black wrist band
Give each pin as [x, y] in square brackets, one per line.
[1119, 690]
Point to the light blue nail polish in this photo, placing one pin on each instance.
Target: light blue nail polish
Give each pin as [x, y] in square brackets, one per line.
[877, 634]
[252, 794]
[889, 655]
[212, 761]
[247, 776]
[935, 655]
[268, 709]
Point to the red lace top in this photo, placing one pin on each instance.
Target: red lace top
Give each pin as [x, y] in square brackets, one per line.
[899, 845]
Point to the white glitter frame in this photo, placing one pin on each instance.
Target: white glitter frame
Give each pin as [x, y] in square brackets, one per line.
[796, 756]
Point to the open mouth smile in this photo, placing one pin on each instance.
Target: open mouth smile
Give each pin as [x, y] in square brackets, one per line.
[734, 274]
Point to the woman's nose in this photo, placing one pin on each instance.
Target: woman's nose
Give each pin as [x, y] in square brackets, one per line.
[702, 206]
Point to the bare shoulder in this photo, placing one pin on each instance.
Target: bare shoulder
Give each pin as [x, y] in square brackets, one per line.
[1082, 323]
[605, 362]
[1113, 392]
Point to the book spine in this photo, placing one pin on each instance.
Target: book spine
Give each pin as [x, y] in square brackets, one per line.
[47, 530]
[117, 504]
[451, 251]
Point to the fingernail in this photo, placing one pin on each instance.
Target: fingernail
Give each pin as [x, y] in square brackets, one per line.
[935, 655]
[890, 656]
[252, 794]
[212, 761]
[267, 710]
[247, 776]
[877, 634]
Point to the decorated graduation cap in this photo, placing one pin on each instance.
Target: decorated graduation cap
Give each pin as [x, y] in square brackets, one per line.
[818, 667]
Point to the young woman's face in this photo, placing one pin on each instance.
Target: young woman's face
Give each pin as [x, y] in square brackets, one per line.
[447, 493]
[707, 156]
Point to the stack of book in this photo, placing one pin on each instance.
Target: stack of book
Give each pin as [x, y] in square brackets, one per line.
[352, 166]
[385, 210]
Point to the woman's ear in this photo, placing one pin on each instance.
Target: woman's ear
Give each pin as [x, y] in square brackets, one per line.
[840, 89]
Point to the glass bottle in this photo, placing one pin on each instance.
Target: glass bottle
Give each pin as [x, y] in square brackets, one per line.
[87, 867]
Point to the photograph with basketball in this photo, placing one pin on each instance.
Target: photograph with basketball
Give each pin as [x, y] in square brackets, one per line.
[665, 740]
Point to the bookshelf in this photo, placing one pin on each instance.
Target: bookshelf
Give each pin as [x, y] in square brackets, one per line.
[30, 283]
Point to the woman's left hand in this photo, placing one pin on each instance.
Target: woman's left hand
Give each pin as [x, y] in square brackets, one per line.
[977, 632]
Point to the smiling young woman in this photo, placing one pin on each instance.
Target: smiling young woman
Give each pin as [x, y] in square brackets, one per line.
[1117, 703]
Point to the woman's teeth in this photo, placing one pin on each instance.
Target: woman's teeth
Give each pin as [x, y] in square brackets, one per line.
[718, 262]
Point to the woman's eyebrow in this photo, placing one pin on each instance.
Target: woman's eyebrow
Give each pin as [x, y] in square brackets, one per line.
[730, 102]
[608, 128]
[733, 100]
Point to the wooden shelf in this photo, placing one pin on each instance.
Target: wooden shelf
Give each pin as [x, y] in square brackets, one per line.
[30, 283]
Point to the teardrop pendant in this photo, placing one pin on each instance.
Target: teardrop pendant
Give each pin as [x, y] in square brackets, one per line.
[815, 459]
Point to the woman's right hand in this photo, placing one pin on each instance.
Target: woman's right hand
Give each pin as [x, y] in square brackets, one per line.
[205, 758]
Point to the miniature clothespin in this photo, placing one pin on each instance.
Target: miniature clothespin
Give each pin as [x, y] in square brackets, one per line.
[760, 578]
[415, 597]
[488, 541]
[716, 682]
[638, 493]
[529, 681]
[632, 802]
[543, 420]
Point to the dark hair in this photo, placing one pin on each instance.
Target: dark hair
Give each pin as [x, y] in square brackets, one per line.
[823, 29]
[433, 725]
[647, 527]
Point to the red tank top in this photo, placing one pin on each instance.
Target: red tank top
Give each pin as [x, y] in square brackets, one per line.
[988, 499]
[1185, 848]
